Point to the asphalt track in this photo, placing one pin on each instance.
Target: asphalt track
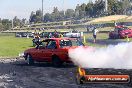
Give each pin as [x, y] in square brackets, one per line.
[15, 73]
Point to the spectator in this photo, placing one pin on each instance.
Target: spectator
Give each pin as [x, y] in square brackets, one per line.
[60, 35]
[56, 34]
[50, 35]
[115, 23]
[94, 34]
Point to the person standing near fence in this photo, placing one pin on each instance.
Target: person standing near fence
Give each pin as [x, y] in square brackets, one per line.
[50, 35]
[56, 35]
[95, 34]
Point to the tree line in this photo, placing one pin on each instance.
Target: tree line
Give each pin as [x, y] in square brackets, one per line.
[6, 24]
[85, 10]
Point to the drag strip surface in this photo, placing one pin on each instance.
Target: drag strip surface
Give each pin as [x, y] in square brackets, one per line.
[15, 73]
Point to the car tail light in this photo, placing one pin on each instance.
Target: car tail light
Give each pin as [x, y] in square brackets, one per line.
[81, 71]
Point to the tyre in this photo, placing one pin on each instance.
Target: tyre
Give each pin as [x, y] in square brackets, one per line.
[56, 62]
[29, 59]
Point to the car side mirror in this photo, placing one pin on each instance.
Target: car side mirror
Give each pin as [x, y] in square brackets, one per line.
[40, 47]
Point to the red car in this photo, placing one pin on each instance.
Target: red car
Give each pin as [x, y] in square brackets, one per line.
[53, 50]
[120, 32]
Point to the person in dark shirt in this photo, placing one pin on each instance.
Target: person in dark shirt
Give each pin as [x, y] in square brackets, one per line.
[56, 34]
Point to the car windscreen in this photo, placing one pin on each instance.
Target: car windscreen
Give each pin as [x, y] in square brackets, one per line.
[64, 43]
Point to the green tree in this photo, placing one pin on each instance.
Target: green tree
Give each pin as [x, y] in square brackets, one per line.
[82, 12]
[61, 15]
[55, 14]
[32, 17]
[22, 22]
[117, 8]
[111, 6]
[16, 22]
[89, 9]
[69, 13]
[98, 8]
[47, 17]
[77, 11]
[55, 10]
[6, 24]
[125, 6]
[38, 16]
[1, 27]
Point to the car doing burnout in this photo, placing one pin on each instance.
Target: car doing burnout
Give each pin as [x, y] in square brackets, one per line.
[120, 32]
[53, 50]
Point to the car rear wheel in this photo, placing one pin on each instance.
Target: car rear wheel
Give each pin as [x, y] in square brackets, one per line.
[29, 59]
[56, 61]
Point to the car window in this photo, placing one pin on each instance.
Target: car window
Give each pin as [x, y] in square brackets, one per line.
[64, 43]
[41, 45]
[51, 45]
[123, 28]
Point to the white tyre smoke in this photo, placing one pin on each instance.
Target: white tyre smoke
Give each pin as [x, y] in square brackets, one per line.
[118, 56]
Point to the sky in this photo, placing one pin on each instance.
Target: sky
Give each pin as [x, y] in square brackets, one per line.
[23, 8]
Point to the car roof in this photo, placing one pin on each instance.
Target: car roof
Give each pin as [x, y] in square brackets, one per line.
[60, 38]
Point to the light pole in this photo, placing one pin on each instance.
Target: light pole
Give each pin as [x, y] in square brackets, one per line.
[106, 5]
[12, 24]
[42, 11]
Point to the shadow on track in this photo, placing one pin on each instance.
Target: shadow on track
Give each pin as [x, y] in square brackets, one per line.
[43, 64]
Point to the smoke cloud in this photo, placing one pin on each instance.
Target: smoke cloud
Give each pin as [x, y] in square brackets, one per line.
[117, 57]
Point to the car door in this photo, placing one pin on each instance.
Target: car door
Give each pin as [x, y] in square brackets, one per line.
[39, 53]
[51, 48]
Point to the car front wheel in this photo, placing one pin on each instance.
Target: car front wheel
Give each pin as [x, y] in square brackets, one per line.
[29, 59]
[56, 61]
